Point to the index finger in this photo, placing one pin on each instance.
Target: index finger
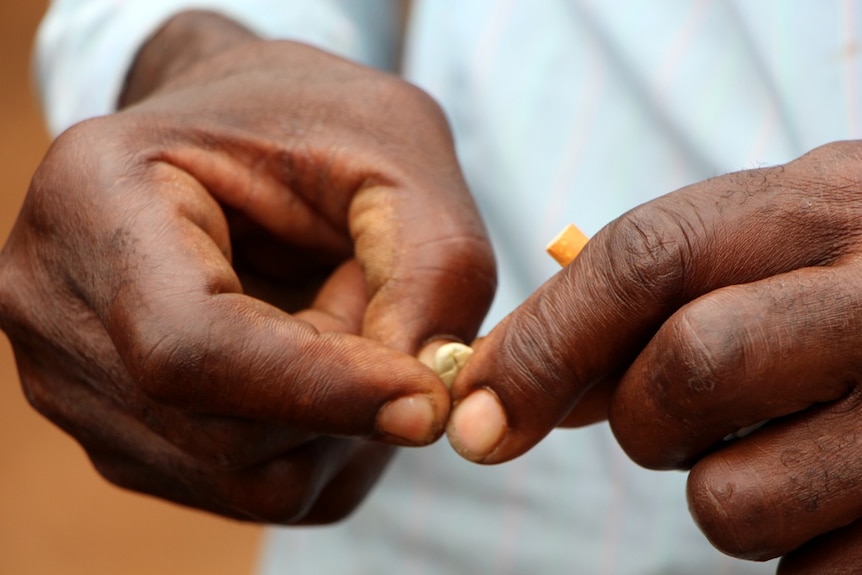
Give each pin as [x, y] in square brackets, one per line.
[590, 320]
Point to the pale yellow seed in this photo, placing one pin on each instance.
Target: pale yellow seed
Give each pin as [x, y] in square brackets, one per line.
[567, 245]
[449, 359]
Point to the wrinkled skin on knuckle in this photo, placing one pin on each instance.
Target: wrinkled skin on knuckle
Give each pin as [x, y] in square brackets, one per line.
[809, 206]
[71, 220]
[759, 500]
[841, 157]
[704, 351]
[703, 354]
[691, 368]
[652, 256]
[165, 364]
[738, 516]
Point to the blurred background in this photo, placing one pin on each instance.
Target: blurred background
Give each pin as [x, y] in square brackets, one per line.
[57, 516]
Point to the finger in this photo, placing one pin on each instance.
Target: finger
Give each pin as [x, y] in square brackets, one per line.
[64, 390]
[283, 490]
[791, 481]
[192, 340]
[230, 442]
[738, 356]
[349, 488]
[247, 360]
[409, 217]
[590, 320]
[418, 234]
[440, 280]
[86, 359]
[340, 304]
[837, 553]
[284, 486]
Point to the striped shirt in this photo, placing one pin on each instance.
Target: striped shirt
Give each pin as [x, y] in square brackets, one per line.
[563, 111]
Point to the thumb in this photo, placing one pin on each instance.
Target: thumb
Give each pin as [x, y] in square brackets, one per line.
[590, 320]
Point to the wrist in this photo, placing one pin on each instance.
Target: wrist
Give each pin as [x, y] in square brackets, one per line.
[185, 40]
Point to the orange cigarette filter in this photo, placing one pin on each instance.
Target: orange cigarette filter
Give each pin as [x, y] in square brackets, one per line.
[567, 245]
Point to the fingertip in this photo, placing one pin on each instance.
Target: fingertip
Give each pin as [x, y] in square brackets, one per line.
[478, 426]
[411, 421]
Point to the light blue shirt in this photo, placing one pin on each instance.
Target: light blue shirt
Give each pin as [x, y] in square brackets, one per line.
[563, 111]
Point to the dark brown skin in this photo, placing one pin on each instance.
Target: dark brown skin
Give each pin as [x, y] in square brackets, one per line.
[218, 289]
[724, 304]
[147, 282]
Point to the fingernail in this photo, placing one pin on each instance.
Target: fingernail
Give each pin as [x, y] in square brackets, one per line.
[409, 419]
[477, 425]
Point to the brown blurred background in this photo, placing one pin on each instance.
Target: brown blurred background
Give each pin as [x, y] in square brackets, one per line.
[57, 516]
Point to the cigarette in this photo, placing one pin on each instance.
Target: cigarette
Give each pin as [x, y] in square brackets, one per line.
[567, 245]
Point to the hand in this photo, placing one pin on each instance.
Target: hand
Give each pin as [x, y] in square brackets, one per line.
[147, 283]
[726, 304]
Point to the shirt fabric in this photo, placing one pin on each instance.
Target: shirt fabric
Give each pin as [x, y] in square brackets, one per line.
[563, 111]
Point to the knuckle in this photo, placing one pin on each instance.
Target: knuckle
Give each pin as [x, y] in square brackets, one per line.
[692, 375]
[827, 181]
[704, 352]
[281, 494]
[398, 91]
[114, 472]
[117, 470]
[285, 510]
[38, 396]
[71, 152]
[842, 151]
[732, 513]
[650, 252]
[410, 103]
[12, 304]
[166, 366]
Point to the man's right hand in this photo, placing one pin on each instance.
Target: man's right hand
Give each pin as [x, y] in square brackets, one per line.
[220, 290]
